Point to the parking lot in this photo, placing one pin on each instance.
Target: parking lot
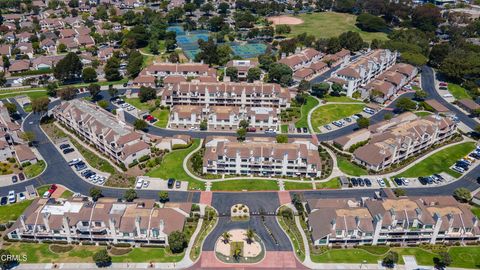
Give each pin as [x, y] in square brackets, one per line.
[120, 103]
[345, 121]
[78, 164]
[159, 184]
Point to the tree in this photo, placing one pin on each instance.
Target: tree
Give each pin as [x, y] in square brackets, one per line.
[135, 61]
[40, 105]
[140, 124]
[250, 234]
[102, 259]
[103, 104]
[68, 93]
[426, 17]
[237, 253]
[462, 195]
[6, 61]
[320, 89]
[297, 203]
[371, 23]
[153, 45]
[405, 104]
[61, 48]
[7, 260]
[304, 86]
[204, 125]
[282, 138]
[282, 29]
[254, 74]
[241, 134]
[232, 72]
[28, 136]
[280, 73]
[95, 193]
[333, 45]
[363, 122]
[443, 260]
[420, 94]
[89, 74]
[390, 260]
[207, 8]
[130, 195]
[226, 237]
[112, 91]
[177, 242]
[190, 8]
[208, 52]
[351, 41]
[387, 116]
[163, 196]
[147, 93]
[68, 68]
[11, 107]
[399, 192]
[94, 90]
[438, 53]
[52, 89]
[174, 57]
[3, 80]
[111, 69]
[243, 123]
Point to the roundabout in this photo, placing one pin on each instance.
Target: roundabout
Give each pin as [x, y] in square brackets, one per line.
[239, 246]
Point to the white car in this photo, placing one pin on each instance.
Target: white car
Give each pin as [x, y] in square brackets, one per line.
[458, 169]
[74, 161]
[46, 195]
[146, 183]
[11, 196]
[381, 182]
[447, 95]
[21, 197]
[125, 105]
[139, 184]
[131, 108]
[405, 181]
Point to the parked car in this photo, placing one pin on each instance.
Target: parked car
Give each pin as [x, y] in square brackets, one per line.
[251, 129]
[381, 182]
[270, 131]
[439, 176]
[328, 127]
[443, 88]
[21, 197]
[145, 184]
[422, 180]
[368, 110]
[64, 146]
[3, 201]
[368, 183]
[84, 173]
[68, 150]
[139, 183]
[398, 181]
[74, 161]
[21, 176]
[405, 181]
[14, 179]
[354, 182]
[170, 182]
[178, 184]
[361, 182]
[443, 84]
[447, 96]
[348, 119]
[458, 169]
[11, 196]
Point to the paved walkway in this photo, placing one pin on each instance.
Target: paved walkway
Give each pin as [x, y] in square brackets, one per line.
[272, 260]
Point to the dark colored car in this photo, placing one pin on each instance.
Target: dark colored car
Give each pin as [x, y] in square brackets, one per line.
[422, 180]
[21, 176]
[368, 183]
[3, 201]
[398, 181]
[361, 182]
[14, 179]
[64, 146]
[251, 129]
[68, 150]
[84, 173]
[462, 165]
[354, 182]
[170, 182]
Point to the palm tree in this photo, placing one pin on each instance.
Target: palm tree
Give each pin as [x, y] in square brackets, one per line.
[237, 253]
[226, 237]
[250, 235]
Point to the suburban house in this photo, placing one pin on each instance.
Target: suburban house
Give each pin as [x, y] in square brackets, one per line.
[261, 156]
[111, 136]
[104, 221]
[242, 66]
[399, 138]
[391, 220]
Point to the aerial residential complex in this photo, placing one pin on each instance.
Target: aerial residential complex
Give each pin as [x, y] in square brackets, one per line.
[394, 140]
[388, 220]
[110, 135]
[374, 74]
[261, 156]
[107, 220]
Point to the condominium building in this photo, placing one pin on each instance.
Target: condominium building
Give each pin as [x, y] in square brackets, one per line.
[305, 64]
[223, 117]
[401, 137]
[241, 94]
[107, 220]
[386, 85]
[388, 220]
[261, 156]
[363, 70]
[109, 135]
[242, 66]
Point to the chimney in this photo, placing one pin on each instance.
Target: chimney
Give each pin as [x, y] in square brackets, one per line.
[162, 225]
[113, 231]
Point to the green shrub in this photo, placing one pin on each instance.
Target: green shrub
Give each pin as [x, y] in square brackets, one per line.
[144, 158]
[60, 248]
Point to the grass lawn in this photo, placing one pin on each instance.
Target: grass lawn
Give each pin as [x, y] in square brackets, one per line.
[138, 255]
[13, 211]
[42, 189]
[34, 169]
[465, 257]
[458, 92]
[440, 161]
[245, 184]
[349, 167]
[310, 104]
[291, 228]
[66, 194]
[93, 159]
[5, 168]
[331, 24]
[476, 211]
[340, 99]
[17, 92]
[297, 185]
[353, 255]
[326, 114]
[331, 184]
[135, 102]
[284, 128]
[172, 167]
[162, 116]
[421, 114]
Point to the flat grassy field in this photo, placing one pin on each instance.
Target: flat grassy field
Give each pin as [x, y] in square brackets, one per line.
[297, 185]
[172, 167]
[350, 168]
[326, 114]
[135, 102]
[309, 105]
[458, 92]
[339, 99]
[13, 211]
[34, 169]
[245, 184]
[421, 114]
[35, 93]
[162, 116]
[331, 184]
[331, 24]
[440, 161]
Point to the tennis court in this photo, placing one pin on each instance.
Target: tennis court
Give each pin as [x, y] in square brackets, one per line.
[248, 50]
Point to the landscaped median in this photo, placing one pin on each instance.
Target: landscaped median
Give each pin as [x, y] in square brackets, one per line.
[286, 220]
[439, 162]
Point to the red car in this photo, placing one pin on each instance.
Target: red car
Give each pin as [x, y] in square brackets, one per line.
[52, 189]
[443, 84]
[251, 129]
[149, 118]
